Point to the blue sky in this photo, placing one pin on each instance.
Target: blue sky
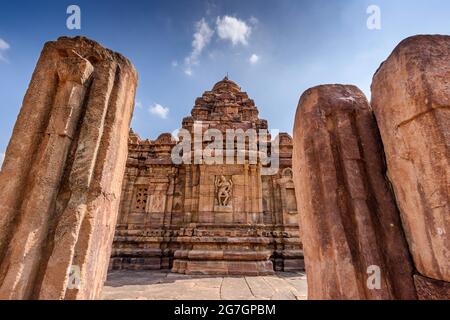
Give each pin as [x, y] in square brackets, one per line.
[295, 45]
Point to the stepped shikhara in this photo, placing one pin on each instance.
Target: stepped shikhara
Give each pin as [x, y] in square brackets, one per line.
[200, 218]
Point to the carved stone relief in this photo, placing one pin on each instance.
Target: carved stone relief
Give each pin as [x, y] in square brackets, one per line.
[223, 191]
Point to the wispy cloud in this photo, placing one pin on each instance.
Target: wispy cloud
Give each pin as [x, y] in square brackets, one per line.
[253, 20]
[202, 36]
[159, 110]
[232, 29]
[254, 59]
[227, 28]
[211, 7]
[4, 46]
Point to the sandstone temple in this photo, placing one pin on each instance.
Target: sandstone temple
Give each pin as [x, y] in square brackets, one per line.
[359, 197]
[208, 218]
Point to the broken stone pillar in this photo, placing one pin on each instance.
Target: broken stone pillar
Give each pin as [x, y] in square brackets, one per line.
[430, 289]
[351, 231]
[62, 174]
[411, 99]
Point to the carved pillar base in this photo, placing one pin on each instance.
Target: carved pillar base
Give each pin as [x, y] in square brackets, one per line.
[223, 262]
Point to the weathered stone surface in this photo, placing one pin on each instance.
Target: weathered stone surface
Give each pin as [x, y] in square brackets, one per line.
[430, 289]
[411, 99]
[205, 218]
[163, 285]
[61, 179]
[348, 216]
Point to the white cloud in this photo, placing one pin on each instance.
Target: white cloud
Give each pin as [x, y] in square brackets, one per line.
[174, 63]
[202, 37]
[254, 59]
[233, 29]
[4, 46]
[2, 157]
[159, 110]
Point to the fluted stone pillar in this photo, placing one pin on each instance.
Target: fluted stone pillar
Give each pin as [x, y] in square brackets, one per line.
[349, 222]
[411, 101]
[63, 170]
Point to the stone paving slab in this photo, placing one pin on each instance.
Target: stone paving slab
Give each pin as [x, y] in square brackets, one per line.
[164, 285]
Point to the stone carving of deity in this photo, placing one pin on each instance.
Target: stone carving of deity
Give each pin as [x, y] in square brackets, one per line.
[224, 189]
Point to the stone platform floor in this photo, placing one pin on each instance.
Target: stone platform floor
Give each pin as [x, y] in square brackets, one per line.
[164, 285]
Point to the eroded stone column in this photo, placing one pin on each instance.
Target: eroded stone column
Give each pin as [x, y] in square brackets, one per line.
[349, 221]
[411, 99]
[63, 170]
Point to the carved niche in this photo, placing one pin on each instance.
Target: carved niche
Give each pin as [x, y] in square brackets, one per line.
[223, 191]
[140, 199]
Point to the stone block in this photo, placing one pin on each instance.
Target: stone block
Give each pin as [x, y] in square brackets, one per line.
[411, 102]
[349, 221]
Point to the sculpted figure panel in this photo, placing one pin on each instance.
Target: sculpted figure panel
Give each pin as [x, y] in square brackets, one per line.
[224, 190]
